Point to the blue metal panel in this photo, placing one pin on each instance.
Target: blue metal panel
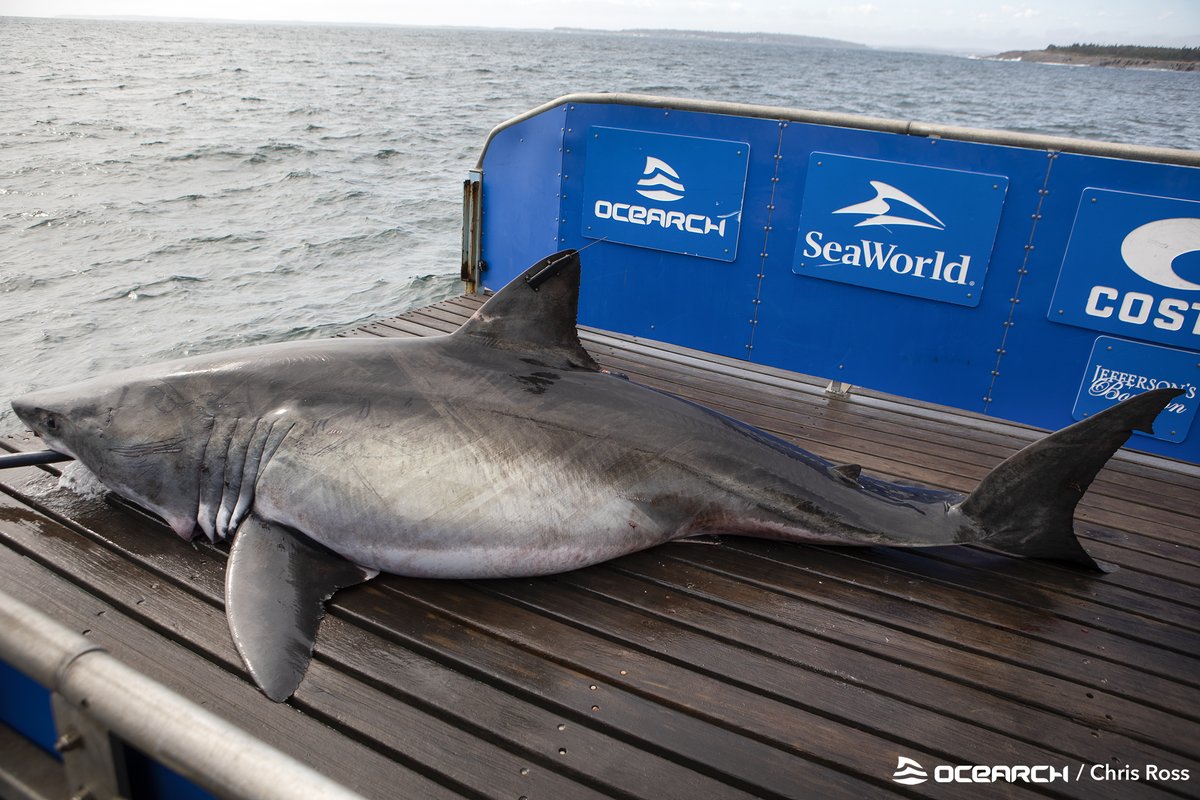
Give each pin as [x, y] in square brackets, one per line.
[858, 226]
[522, 172]
[1118, 369]
[998, 346]
[1046, 360]
[25, 707]
[698, 302]
[681, 194]
[907, 345]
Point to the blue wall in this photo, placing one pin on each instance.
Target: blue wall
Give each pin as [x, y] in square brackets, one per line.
[998, 348]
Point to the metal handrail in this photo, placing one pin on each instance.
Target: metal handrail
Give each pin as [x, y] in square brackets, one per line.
[168, 728]
[1165, 155]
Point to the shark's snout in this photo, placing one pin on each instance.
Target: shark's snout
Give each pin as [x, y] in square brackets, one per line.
[40, 416]
[26, 410]
[35, 415]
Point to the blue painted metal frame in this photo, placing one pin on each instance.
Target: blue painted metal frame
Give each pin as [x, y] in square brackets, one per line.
[1003, 357]
[150, 780]
[25, 707]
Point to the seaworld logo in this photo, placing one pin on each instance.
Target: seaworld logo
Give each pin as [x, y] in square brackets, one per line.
[879, 209]
[896, 227]
[881, 256]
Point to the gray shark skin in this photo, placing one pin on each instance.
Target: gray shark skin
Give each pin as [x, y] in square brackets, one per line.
[501, 450]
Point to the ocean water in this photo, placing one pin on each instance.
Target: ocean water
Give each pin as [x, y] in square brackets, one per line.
[171, 188]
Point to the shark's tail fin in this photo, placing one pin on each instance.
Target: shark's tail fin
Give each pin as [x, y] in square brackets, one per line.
[1026, 505]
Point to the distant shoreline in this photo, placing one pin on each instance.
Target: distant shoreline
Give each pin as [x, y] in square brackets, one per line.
[1062, 57]
[722, 36]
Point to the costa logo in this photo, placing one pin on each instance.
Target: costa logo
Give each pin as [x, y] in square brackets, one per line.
[1132, 267]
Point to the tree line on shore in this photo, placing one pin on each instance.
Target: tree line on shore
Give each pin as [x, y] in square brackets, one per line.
[1129, 51]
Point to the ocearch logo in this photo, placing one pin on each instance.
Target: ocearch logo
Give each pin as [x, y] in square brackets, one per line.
[909, 772]
[660, 173]
[879, 209]
[661, 182]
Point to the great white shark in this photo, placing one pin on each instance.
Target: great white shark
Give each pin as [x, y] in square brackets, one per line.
[501, 450]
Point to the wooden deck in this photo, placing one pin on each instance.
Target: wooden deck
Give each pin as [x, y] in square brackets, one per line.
[735, 668]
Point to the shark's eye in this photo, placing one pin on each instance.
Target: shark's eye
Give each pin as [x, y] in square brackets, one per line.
[51, 422]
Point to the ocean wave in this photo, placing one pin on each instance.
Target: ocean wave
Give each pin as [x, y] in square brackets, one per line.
[216, 152]
[154, 289]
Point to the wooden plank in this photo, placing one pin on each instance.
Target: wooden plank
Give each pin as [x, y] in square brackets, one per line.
[1002, 626]
[360, 768]
[419, 618]
[28, 771]
[616, 670]
[745, 599]
[662, 611]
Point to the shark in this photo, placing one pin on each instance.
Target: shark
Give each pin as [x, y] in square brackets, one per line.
[500, 450]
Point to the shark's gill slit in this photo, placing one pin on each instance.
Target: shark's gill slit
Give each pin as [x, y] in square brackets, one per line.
[235, 465]
[212, 476]
[263, 445]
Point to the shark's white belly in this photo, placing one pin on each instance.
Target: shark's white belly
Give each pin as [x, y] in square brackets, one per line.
[453, 505]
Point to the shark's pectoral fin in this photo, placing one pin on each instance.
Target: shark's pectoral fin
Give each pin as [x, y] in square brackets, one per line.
[276, 585]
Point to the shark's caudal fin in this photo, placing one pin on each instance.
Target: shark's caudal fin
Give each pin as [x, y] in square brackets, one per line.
[536, 312]
[1027, 504]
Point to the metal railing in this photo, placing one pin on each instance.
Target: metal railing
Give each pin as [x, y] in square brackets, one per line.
[96, 697]
[1062, 144]
[472, 251]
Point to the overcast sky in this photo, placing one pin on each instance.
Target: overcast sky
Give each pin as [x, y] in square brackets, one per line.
[949, 24]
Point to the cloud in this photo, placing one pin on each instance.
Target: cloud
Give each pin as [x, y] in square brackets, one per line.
[1019, 13]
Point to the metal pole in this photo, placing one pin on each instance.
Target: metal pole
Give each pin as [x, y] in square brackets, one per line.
[165, 726]
[12, 460]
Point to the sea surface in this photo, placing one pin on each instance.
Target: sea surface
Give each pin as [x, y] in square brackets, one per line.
[174, 188]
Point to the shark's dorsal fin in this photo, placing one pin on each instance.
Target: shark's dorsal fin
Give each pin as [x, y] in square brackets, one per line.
[536, 312]
[276, 585]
